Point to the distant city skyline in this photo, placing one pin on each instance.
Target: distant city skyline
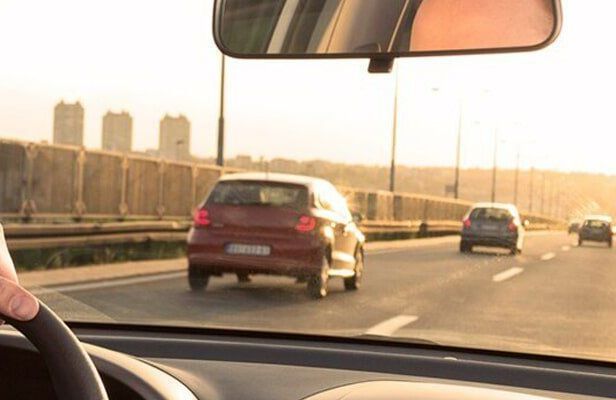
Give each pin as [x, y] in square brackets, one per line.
[117, 132]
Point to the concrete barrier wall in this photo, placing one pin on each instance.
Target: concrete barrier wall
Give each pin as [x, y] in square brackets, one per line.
[102, 183]
[48, 181]
[52, 174]
[13, 166]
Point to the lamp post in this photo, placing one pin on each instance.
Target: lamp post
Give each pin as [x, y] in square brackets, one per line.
[531, 183]
[220, 155]
[461, 106]
[516, 177]
[394, 138]
[494, 165]
[542, 192]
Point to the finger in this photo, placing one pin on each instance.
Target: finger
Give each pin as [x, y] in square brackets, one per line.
[16, 302]
[7, 269]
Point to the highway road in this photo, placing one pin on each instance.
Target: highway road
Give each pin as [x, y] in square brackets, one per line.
[554, 298]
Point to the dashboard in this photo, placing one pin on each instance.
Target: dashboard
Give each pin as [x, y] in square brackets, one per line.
[154, 363]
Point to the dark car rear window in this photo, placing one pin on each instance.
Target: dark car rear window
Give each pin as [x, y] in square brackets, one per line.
[270, 194]
[495, 214]
[595, 224]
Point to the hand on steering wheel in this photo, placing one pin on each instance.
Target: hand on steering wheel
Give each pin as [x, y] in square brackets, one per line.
[15, 301]
[72, 373]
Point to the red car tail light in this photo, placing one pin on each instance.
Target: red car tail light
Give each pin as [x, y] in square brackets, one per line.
[466, 223]
[513, 227]
[306, 224]
[202, 218]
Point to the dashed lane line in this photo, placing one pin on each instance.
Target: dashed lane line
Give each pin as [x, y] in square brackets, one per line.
[391, 326]
[548, 256]
[507, 274]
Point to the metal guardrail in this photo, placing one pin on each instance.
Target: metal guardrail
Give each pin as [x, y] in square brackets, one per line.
[46, 236]
[55, 230]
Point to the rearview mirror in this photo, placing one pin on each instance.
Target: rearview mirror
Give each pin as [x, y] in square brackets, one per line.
[382, 28]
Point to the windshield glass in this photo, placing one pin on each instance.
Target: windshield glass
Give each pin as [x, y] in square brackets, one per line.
[345, 196]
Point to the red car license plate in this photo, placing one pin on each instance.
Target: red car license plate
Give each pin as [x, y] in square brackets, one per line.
[248, 249]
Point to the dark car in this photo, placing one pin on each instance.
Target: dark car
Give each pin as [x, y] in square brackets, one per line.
[493, 225]
[275, 224]
[596, 228]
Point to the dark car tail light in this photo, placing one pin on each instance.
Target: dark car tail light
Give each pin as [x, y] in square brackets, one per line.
[202, 218]
[306, 224]
[466, 223]
[512, 227]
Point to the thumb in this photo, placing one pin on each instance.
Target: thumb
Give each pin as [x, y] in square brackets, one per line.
[7, 269]
[16, 302]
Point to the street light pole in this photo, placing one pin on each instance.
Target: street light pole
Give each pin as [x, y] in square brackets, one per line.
[220, 157]
[532, 179]
[394, 138]
[456, 184]
[494, 166]
[542, 191]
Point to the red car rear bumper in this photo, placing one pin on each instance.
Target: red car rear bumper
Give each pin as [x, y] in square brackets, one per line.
[295, 256]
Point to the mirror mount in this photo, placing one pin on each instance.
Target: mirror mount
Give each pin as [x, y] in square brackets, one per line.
[381, 65]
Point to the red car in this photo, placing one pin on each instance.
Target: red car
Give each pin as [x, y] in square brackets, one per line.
[276, 224]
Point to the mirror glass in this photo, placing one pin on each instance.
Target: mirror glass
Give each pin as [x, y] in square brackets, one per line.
[365, 28]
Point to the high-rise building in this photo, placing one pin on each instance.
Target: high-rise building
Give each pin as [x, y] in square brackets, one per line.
[174, 140]
[118, 132]
[68, 124]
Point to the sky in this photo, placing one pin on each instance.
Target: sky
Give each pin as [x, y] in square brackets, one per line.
[156, 57]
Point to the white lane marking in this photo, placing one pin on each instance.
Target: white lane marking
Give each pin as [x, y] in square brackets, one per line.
[390, 326]
[388, 251]
[395, 246]
[509, 273]
[106, 284]
[565, 248]
[548, 256]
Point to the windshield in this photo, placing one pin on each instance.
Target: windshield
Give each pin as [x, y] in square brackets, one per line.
[146, 179]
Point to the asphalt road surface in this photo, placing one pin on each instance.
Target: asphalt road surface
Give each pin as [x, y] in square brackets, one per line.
[554, 298]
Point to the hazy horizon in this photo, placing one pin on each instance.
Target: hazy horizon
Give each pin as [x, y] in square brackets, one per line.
[278, 108]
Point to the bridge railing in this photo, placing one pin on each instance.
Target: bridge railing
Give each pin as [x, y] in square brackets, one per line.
[42, 182]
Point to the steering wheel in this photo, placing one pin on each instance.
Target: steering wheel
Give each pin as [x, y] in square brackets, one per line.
[72, 372]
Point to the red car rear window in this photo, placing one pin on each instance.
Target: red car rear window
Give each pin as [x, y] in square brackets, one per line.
[271, 194]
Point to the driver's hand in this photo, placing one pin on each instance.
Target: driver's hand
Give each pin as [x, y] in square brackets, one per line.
[15, 301]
